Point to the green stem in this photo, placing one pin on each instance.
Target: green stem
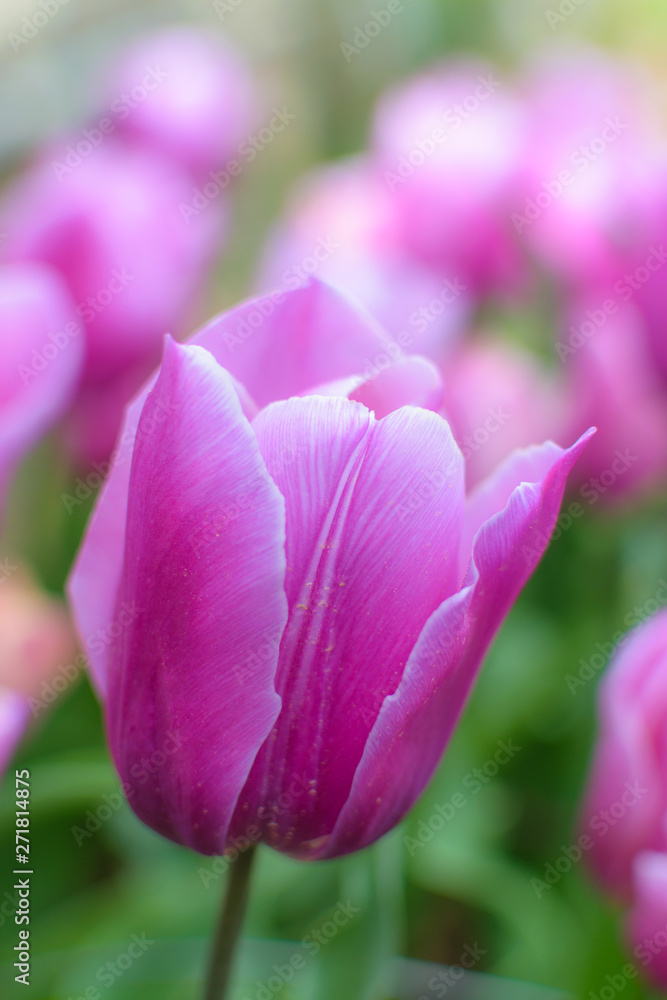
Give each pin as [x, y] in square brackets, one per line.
[229, 926]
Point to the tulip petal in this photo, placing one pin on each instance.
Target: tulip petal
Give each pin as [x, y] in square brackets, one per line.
[201, 605]
[373, 519]
[416, 722]
[281, 345]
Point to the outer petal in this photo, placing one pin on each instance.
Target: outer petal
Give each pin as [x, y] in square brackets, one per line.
[283, 344]
[41, 345]
[202, 589]
[630, 758]
[373, 519]
[415, 723]
[648, 918]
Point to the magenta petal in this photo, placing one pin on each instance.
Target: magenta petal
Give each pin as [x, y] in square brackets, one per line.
[283, 344]
[416, 722]
[373, 519]
[201, 591]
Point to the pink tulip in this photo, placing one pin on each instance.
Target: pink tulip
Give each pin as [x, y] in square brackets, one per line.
[342, 225]
[499, 398]
[448, 144]
[614, 385]
[626, 804]
[42, 347]
[630, 753]
[591, 170]
[185, 94]
[308, 592]
[113, 229]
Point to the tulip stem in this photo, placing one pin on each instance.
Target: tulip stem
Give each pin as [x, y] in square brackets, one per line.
[229, 926]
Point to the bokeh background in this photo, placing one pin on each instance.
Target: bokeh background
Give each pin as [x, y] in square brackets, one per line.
[427, 898]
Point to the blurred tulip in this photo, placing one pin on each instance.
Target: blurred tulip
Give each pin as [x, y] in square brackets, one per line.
[35, 640]
[499, 398]
[448, 145]
[312, 595]
[591, 170]
[630, 752]
[341, 224]
[42, 351]
[112, 227]
[185, 94]
[614, 385]
[626, 802]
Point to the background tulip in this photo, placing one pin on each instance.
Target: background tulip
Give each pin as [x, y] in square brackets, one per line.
[112, 229]
[343, 225]
[42, 348]
[629, 752]
[431, 138]
[201, 102]
[626, 803]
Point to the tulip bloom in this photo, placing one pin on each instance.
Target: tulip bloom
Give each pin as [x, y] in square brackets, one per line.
[591, 171]
[626, 802]
[342, 223]
[184, 94]
[314, 593]
[111, 227]
[431, 142]
[613, 383]
[42, 346]
[499, 398]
